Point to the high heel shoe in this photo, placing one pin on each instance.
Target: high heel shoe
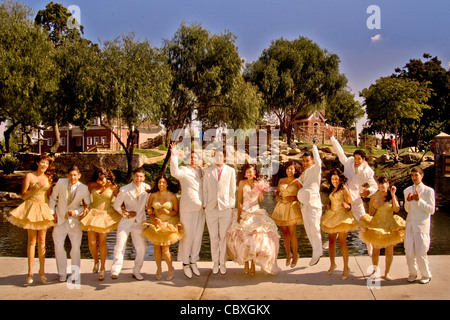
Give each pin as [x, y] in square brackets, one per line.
[158, 274]
[95, 269]
[43, 278]
[330, 271]
[101, 275]
[170, 274]
[294, 262]
[29, 279]
[288, 261]
[345, 274]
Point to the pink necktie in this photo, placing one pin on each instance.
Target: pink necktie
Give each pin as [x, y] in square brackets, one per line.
[220, 172]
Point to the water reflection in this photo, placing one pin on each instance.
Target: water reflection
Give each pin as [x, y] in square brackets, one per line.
[13, 240]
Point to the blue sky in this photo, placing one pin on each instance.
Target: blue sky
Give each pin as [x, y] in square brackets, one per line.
[408, 28]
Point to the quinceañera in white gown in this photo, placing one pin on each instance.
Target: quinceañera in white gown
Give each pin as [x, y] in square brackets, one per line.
[255, 237]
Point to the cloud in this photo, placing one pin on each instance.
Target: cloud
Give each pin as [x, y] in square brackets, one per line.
[376, 38]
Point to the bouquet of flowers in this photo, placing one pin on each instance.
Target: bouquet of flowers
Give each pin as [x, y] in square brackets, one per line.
[262, 186]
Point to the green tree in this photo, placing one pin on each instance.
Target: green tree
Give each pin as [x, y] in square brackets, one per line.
[27, 68]
[134, 85]
[435, 119]
[295, 76]
[207, 81]
[392, 101]
[57, 110]
[343, 110]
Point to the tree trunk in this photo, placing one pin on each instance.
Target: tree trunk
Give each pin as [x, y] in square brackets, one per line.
[57, 136]
[7, 135]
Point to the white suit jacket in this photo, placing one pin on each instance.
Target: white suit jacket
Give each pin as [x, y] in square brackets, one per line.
[355, 180]
[310, 180]
[59, 198]
[419, 212]
[220, 193]
[191, 185]
[129, 197]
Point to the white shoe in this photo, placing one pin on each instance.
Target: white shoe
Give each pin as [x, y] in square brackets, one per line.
[114, 275]
[62, 278]
[138, 276]
[223, 269]
[424, 280]
[215, 269]
[187, 271]
[412, 278]
[195, 269]
[314, 261]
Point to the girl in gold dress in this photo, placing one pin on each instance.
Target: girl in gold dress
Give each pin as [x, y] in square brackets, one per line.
[381, 227]
[287, 213]
[164, 227]
[34, 214]
[338, 220]
[100, 218]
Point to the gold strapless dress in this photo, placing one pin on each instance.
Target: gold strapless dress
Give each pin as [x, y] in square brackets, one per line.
[338, 219]
[171, 231]
[101, 217]
[383, 229]
[287, 213]
[34, 213]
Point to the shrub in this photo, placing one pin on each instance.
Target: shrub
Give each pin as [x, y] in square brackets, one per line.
[9, 164]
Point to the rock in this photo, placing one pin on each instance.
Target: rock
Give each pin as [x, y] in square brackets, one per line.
[294, 151]
[328, 149]
[383, 158]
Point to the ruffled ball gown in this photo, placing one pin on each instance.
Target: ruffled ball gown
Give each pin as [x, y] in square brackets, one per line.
[255, 237]
[169, 232]
[337, 218]
[34, 213]
[101, 217]
[287, 212]
[384, 228]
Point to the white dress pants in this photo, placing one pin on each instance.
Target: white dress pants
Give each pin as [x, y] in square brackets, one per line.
[311, 222]
[190, 245]
[218, 222]
[60, 232]
[416, 248]
[139, 242]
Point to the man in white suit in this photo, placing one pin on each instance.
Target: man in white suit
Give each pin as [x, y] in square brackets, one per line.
[131, 201]
[311, 204]
[420, 205]
[219, 198]
[192, 216]
[67, 201]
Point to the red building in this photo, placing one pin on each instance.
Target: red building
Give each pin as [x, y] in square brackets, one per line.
[73, 139]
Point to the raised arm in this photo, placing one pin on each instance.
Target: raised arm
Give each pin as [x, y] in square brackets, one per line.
[174, 170]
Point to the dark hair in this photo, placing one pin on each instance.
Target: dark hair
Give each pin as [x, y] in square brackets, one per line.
[73, 168]
[170, 185]
[418, 170]
[384, 179]
[308, 154]
[140, 170]
[342, 179]
[361, 153]
[50, 172]
[297, 166]
[245, 168]
[100, 172]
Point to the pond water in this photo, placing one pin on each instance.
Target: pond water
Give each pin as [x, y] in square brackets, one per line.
[13, 240]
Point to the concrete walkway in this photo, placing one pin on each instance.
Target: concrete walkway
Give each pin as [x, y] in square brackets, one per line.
[299, 283]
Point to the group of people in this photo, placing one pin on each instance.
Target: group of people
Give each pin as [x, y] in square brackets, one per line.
[238, 227]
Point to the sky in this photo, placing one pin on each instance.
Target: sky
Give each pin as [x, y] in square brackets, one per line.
[405, 29]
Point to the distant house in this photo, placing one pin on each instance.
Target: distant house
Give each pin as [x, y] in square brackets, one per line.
[96, 137]
[311, 125]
